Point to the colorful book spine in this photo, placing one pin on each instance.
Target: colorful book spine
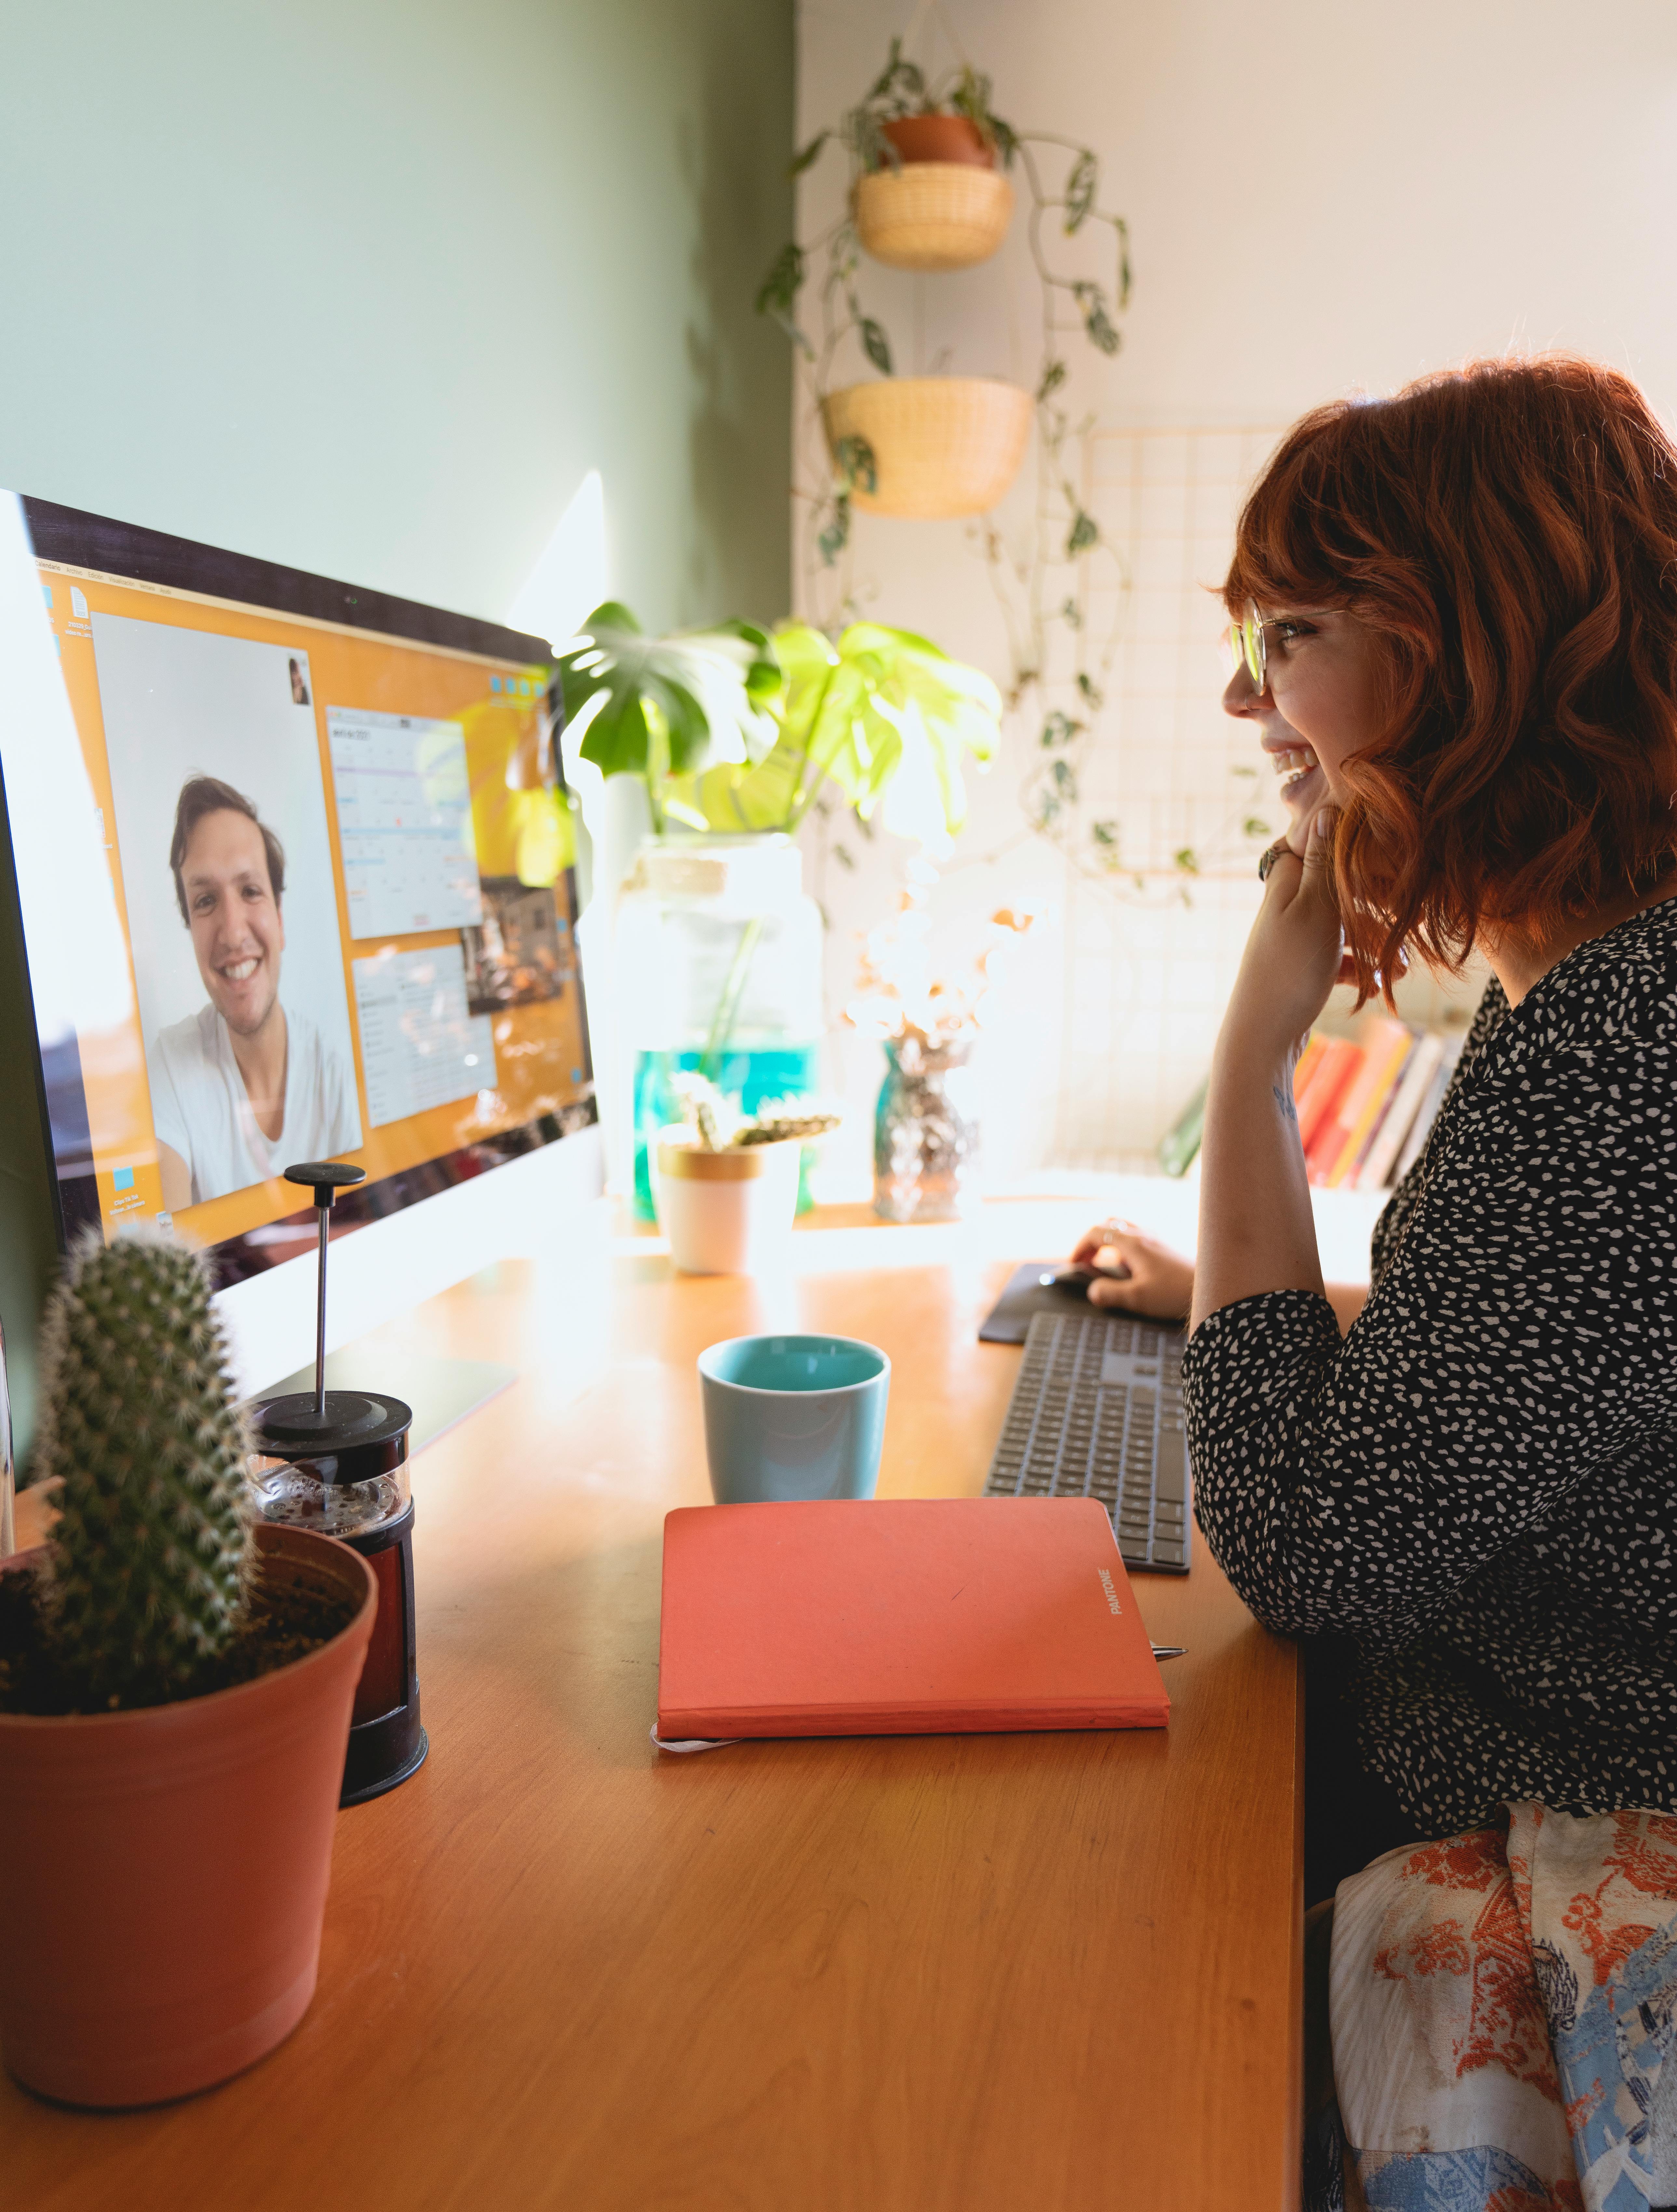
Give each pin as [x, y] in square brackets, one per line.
[1430, 1105]
[1376, 1121]
[1337, 1067]
[1322, 1156]
[1305, 1067]
[1378, 1162]
[1385, 1048]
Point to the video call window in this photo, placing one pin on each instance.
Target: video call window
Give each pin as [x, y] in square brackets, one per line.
[339, 860]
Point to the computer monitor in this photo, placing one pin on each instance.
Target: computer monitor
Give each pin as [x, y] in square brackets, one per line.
[292, 865]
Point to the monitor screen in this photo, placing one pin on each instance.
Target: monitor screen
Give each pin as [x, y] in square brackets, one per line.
[339, 884]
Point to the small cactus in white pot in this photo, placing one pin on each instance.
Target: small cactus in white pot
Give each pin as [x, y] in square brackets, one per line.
[726, 1189]
[175, 1689]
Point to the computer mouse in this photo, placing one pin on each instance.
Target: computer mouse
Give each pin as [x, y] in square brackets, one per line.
[1076, 1280]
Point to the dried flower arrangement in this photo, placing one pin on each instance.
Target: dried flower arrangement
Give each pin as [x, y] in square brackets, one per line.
[901, 1000]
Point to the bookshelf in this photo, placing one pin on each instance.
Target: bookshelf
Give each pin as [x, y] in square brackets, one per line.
[1367, 1089]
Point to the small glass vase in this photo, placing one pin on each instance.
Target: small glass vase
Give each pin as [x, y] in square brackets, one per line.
[926, 1133]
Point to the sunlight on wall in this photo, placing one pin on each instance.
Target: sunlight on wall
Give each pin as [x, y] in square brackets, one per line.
[568, 579]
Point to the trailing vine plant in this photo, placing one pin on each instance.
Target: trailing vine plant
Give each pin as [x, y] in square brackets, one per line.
[1048, 581]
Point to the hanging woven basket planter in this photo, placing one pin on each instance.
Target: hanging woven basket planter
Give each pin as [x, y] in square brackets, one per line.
[932, 214]
[941, 446]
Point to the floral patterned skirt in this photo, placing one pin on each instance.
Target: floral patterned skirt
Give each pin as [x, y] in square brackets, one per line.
[1501, 2006]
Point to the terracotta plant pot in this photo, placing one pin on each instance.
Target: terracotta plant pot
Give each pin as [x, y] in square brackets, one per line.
[940, 138]
[171, 1866]
[726, 1212]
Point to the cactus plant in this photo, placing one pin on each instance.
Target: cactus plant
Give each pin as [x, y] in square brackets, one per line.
[714, 1126]
[153, 1556]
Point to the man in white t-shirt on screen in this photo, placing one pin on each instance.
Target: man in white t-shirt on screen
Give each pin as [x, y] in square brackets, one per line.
[246, 1086]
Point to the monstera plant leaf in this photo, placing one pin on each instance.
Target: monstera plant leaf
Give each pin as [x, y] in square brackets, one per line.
[737, 730]
[669, 705]
[879, 701]
[860, 712]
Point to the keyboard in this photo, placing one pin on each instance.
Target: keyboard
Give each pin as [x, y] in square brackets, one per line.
[1096, 1412]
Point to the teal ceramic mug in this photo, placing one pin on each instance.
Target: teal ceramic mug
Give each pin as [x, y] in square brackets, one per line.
[790, 1417]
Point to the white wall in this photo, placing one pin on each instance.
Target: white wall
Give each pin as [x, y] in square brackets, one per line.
[1322, 198]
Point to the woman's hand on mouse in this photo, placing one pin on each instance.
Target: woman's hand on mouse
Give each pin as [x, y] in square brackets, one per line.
[1155, 1280]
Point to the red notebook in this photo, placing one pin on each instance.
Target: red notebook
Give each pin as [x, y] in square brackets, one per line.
[900, 1617]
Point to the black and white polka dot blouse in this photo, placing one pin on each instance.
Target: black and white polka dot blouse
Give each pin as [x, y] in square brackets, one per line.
[1479, 1485]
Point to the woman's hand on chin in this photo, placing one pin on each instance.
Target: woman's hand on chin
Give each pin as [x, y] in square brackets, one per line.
[1294, 955]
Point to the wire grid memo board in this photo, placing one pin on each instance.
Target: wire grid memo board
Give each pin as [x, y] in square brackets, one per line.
[1146, 974]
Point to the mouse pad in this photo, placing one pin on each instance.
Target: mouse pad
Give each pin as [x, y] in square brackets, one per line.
[1030, 1290]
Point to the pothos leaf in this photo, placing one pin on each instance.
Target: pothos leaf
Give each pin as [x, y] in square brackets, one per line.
[868, 142]
[778, 293]
[857, 467]
[835, 537]
[898, 78]
[875, 345]
[1054, 376]
[808, 156]
[1084, 532]
[1097, 322]
[971, 96]
[1080, 187]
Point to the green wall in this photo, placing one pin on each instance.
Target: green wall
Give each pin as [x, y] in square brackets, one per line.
[366, 287]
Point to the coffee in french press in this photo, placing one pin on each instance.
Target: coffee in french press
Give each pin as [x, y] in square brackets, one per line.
[337, 1461]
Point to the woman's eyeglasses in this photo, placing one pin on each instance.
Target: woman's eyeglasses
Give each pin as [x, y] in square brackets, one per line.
[1249, 649]
[1247, 646]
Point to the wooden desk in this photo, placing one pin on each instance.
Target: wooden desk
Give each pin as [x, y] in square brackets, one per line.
[906, 1974]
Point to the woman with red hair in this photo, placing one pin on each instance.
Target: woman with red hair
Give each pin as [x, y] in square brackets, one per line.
[1457, 608]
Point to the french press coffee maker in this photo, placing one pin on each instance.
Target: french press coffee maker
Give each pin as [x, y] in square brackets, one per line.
[337, 1461]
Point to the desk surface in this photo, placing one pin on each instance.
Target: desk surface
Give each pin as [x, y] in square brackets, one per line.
[899, 1974]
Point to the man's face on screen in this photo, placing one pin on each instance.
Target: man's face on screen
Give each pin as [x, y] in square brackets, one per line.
[237, 933]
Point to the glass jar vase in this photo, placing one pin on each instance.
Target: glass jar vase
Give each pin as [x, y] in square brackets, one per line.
[926, 1151]
[719, 969]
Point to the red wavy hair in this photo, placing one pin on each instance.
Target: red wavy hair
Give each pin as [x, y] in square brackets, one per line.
[1507, 532]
